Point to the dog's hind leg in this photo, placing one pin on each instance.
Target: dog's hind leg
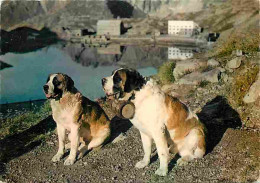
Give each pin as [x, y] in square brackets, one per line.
[83, 148]
[99, 138]
[193, 147]
[82, 151]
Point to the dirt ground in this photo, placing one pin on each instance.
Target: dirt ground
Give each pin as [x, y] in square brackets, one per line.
[232, 151]
[233, 156]
[234, 159]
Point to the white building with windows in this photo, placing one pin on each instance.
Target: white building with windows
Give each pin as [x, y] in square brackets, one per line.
[180, 53]
[182, 28]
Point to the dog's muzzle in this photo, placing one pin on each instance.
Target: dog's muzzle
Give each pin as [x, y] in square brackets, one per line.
[113, 96]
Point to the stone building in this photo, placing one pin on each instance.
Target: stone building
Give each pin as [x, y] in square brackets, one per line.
[182, 28]
[109, 27]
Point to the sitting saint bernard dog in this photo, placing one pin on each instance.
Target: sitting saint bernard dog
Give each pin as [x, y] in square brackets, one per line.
[158, 117]
[86, 121]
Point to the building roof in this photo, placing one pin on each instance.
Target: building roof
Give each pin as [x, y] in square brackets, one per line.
[109, 22]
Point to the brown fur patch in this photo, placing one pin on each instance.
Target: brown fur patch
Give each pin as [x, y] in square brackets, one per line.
[90, 117]
[123, 76]
[178, 121]
[67, 82]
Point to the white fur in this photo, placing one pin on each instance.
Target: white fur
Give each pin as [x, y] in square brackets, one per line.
[50, 84]
[188, 146]
[108, 88]
[172, 133]
[64, 120]
[150, 118]
[191, 115]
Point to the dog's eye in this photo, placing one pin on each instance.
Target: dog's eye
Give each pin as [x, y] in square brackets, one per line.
[116, 79]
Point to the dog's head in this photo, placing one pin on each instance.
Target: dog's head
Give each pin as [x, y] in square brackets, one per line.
[56, 85]
[122, 81]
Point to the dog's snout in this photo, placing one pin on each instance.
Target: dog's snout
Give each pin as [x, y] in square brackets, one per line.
[46, 88]
[104, 80]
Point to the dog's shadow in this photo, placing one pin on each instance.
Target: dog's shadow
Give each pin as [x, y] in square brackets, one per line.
[18, 144]
[218, 116]
[118, 126]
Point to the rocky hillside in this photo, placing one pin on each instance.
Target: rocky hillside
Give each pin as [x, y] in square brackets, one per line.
[213, 15]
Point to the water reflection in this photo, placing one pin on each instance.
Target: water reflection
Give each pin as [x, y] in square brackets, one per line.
[86, 66]
[4, 65]
[112, 49]
[116, 55]
[25, 79]
[181, 53]
[25, 39]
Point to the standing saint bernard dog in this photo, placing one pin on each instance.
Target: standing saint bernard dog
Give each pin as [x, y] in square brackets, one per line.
[86, 121]
[158, 117]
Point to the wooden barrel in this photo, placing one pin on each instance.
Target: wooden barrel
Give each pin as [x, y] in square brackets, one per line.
[123, 109]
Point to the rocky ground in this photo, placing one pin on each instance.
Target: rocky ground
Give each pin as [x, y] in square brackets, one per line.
[115, 162]
[232, 154]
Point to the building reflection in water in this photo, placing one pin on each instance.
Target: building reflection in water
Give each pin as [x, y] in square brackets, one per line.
[111, 49]
[182, 53]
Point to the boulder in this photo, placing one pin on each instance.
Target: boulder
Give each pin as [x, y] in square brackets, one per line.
[182, 67]
[234, 63]
[197, 77]
[254, 91]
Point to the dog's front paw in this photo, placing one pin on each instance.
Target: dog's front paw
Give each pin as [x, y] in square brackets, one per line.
[161, 172]
[69, 161]
[181, 162]
[141, 164]
[57, 157]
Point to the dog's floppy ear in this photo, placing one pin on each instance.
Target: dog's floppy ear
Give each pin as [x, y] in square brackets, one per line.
[69, 82]
[134, 80]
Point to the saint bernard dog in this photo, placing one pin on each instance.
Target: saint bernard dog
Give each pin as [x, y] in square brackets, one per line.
[159, 117]
[85, 120]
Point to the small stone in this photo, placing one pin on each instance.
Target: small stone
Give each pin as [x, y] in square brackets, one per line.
[254, 92]
[221, 69]
[224, 77]
[237, 53]
[212, 63]
[234, 63]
